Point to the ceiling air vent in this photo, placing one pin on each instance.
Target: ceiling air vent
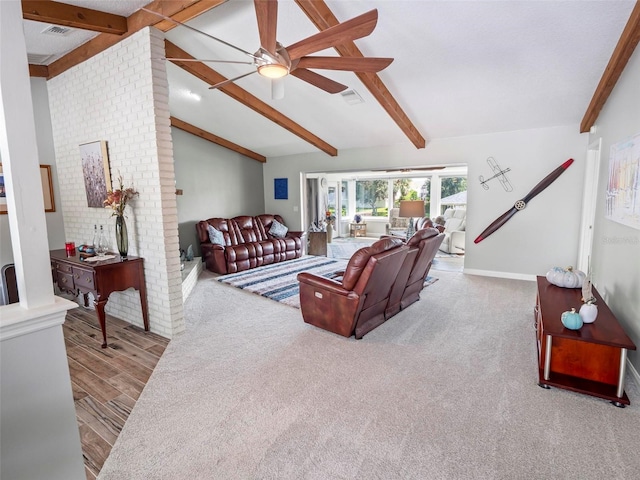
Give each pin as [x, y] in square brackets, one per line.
[352, 97]
[56, 30]
[38, 58]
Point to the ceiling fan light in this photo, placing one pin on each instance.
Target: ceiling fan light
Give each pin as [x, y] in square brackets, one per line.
[273, 70]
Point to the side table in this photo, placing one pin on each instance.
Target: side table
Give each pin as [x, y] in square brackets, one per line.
[591, 360]
[358, 229]
[317, 243]
[100, 278]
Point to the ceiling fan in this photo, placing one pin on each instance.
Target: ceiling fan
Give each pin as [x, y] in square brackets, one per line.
[273, 60]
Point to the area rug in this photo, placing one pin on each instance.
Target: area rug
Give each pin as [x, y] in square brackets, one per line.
[279, 281]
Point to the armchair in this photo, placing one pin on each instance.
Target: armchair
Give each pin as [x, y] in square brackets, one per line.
[454, 230]
[356, 304]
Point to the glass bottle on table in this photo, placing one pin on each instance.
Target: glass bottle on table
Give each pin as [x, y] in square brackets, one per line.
[102, 247]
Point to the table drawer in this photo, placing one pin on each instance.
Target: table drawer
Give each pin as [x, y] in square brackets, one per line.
[64, 281]
[63, 267]
[83, 278]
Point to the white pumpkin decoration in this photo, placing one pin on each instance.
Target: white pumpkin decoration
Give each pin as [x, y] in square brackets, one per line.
[566, 277]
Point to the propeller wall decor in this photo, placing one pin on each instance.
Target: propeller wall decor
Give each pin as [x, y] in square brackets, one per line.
[273, 60]
[521, 204]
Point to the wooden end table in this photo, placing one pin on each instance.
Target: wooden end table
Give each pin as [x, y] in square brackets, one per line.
[591, 360]
[358, 229]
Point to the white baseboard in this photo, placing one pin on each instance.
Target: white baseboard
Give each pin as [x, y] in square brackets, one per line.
[634, 373]
[489, 273]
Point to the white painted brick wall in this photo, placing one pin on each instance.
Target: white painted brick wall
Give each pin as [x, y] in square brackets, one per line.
[121, 96]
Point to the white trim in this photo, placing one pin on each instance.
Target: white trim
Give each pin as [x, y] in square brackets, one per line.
[510, 275]
[589, 198]
[17, 320]
[633, 372]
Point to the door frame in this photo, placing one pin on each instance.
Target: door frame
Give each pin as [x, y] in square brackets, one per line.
[589, 202]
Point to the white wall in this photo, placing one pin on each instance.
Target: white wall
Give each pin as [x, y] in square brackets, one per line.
[545, 234]
[121, 96]
[616, 247]
[216, 182]
[55, 227]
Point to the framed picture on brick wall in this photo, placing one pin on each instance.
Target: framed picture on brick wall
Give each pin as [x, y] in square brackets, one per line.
[95, 172]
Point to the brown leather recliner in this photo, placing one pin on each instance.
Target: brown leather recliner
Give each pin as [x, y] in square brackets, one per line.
[357, 304]
[423, 246]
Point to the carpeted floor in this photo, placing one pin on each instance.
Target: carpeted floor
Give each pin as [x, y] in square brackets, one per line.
[446, 389]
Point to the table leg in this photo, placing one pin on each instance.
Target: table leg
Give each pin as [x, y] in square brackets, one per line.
[142, 290]
[623, 371]
[101, 318]
[547, 359]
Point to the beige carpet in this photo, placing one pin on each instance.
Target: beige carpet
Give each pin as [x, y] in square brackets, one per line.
[444, 390]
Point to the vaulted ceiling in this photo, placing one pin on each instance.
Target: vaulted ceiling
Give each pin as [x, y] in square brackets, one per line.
[460, 68]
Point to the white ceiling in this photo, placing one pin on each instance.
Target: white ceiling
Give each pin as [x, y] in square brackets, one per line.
[460, 68]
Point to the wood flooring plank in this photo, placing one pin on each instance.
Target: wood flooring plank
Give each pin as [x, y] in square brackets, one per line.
[134, 338]
[95, 449]
[91, 383]
[89, 474]
[103, 419]
[78, 392]
[156, 349]
[127, 384]
[92, 362]
[122, 405]
[142, 357]
[133, 368]
[152, 336]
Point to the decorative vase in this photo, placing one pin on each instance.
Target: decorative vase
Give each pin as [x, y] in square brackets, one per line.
[588, 312]
[329, 233]
[122, 240]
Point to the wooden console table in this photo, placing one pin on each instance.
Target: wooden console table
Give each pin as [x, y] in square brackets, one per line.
[100, 278]
[591, 360]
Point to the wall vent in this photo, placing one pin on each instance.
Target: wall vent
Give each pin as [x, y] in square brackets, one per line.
[39, 58]
[56, 30]
[352, 97]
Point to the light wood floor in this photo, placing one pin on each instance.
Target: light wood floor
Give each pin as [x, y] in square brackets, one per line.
[106, 382]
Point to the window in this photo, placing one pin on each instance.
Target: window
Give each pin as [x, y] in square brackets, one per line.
[451, 186]
[344, 198]
[371, 198]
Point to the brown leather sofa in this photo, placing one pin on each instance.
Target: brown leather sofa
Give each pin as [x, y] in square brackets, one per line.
[247, 243]
[423, 246]
[356, 304]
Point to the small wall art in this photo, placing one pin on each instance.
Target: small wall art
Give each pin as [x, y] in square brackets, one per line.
[280, 188]
[95, 171]
[623, 200]
[47, 190]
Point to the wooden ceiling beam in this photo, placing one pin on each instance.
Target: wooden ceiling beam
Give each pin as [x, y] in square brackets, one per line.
[617, 63]
[211, 77]
[38, 71]
[58, 13]
[323, 18]
[198, 132]
[180, 9]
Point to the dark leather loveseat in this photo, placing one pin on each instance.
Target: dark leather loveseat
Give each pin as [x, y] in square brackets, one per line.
[246, 243]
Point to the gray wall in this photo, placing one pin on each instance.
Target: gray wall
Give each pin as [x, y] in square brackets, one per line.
[55, 226]
[215, 181]
[545, 234]
[616, 247]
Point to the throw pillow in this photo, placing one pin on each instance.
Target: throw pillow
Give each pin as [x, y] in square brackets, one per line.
[215, 235]
[278, 230]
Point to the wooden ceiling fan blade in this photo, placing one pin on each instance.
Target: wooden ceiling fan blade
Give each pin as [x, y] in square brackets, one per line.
[231, 80]
[198, 31]
[357, 27]
[319, 81]
[267, 15]
[353, 64]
